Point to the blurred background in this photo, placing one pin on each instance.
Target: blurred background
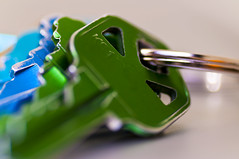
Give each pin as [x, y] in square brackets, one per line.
[210, 128]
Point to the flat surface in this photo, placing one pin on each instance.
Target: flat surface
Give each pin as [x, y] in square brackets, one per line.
[210, 128]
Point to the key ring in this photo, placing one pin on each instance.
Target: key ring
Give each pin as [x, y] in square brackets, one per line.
[189, 60]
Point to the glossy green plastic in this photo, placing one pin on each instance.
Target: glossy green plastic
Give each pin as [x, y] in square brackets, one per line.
[135, 103]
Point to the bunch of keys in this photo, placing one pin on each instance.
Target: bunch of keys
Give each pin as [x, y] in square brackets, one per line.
[82, 76]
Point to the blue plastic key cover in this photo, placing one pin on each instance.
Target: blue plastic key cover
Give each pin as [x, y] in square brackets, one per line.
[25, 43]
[25, 74]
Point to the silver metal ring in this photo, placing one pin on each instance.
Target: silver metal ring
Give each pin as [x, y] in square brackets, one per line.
[189, 60]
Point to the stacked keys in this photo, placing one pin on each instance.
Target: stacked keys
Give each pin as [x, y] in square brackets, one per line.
[62, 82]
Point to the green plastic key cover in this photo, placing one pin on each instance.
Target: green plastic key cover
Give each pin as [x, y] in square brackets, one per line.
[116, 64]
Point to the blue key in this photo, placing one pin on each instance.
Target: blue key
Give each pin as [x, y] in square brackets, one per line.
[25, 73]
[25, 43]
[13, 93]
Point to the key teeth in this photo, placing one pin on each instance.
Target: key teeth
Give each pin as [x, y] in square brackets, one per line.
[56, 36]
[45, 31]
[21, 65]
[45, 27]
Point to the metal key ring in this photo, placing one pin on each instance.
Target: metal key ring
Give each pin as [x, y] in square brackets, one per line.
[189, 60]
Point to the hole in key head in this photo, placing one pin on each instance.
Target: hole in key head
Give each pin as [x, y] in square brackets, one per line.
[159, 69]
[115, 37]
[165, 98]
[167, 95]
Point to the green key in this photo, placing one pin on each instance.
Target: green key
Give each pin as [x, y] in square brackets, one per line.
[110, 84]
[61, 36]
[57, 63]
[116, 65]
